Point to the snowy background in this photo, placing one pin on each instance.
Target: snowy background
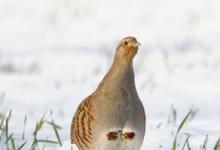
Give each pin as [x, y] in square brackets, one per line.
[53, 53]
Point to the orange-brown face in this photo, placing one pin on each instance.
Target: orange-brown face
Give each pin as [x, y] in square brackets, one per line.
[128, 48]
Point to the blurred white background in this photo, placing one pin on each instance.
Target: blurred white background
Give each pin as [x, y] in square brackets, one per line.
[29, 24]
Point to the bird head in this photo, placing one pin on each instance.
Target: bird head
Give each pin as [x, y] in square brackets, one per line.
[127, 49]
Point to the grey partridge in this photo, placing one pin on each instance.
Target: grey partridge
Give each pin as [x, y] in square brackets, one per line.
[112, 117]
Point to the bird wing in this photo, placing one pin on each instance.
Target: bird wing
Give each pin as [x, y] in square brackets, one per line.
[81, 127]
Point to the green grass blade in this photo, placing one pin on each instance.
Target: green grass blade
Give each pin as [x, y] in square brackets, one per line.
[174, 143]
[217, 145]
[47, 141]
[188, 146]
[205, 142]
[185, 143]
[22, 145]
[2, 122]
[53, 124]
[13, 144]
[183, 121]
[56, 127]
[25, 121]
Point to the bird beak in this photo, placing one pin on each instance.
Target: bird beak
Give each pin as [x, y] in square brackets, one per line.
[136, 44]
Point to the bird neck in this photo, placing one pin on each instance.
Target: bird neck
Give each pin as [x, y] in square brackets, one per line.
[120, 76]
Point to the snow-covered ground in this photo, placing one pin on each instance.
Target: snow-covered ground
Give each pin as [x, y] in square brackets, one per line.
[54, 53]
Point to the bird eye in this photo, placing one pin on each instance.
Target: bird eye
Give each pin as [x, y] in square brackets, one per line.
[126, 43]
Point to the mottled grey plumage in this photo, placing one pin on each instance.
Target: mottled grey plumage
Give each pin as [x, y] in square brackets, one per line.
[113, 117]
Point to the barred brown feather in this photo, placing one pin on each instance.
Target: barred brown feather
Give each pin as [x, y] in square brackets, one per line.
[81, 127]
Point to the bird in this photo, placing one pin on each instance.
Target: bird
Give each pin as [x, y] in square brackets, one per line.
[113, 116]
